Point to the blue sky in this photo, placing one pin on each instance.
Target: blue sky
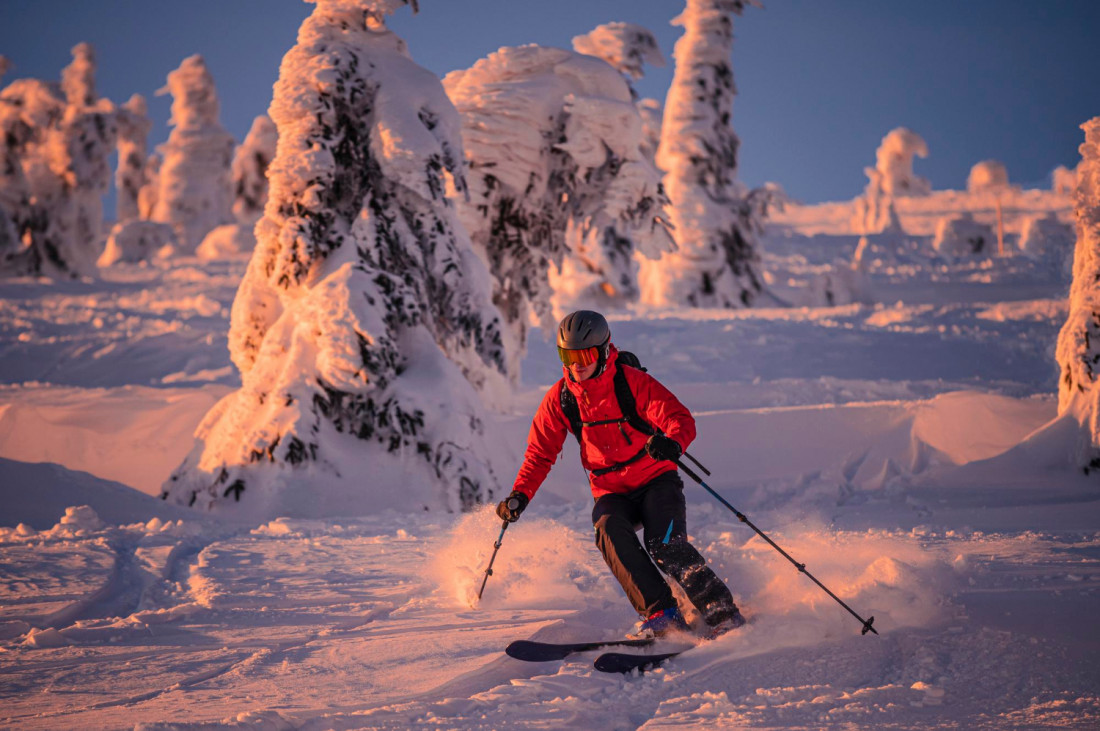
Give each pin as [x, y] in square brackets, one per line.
[820, 81]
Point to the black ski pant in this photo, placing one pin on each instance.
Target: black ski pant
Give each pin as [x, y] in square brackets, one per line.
[659, 507]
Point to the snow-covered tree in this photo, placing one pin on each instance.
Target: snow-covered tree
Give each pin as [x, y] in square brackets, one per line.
[891, 177]
[893, 169]
[249, 170]
[193, 192]
[716, 219]
[57, 142]
[626, 46]
[363, 323]
[652, 112]
[1078, 350]
[249, 183]
[78, 78]
[1064, 180]
[133, 150]
[558, 183]
[150, 188]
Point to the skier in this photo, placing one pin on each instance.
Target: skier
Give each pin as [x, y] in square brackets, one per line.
[633, 479]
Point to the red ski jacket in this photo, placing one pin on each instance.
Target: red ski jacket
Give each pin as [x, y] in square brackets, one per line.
[608, 444]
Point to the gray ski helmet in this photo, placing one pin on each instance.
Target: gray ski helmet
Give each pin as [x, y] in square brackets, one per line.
[583, 329]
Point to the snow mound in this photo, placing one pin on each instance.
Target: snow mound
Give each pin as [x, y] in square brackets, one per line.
[136, 241]
[1046, 236]
[226, 241]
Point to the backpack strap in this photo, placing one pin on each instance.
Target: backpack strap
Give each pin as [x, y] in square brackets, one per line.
[571, 410]
[628, 406]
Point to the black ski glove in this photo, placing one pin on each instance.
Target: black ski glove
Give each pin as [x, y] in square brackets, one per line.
[660, 447]
[511, 506]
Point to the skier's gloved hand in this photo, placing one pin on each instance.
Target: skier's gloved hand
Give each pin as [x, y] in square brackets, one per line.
[511, 506]
[660, 447]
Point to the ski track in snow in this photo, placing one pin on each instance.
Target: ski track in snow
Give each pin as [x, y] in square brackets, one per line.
[867, 440]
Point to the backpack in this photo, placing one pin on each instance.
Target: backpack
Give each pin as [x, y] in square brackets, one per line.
[628, 407]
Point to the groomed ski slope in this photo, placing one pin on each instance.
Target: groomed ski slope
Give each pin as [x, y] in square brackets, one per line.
[904, 451]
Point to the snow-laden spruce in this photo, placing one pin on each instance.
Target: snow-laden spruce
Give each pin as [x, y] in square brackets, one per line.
[248, 178]
[364, 322]
[133, 150]
[560, 189]
[891, 177]
[716, 219]
[626, 46]
[193, 193]
[1078, 349]
[56, 141]
[248, 172]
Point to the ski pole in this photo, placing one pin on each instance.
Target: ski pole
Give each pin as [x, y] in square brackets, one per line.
[800, 566]
[489, 570]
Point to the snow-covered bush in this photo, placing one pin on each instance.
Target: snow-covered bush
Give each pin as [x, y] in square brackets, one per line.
[625, 46]
[136, 240]
[193, 193]
[1078, 350]
[1046, 237]
[716, 219]
[57, 140]
[364, 315]
[558, 179]
[961, 235]
[249, 170]
[133, 150]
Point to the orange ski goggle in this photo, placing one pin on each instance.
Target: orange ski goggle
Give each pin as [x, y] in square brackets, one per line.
[583, 356]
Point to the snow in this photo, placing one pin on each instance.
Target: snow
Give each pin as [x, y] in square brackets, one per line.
[909, 452]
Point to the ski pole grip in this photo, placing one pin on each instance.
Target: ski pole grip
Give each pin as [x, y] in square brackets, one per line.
[513, 503]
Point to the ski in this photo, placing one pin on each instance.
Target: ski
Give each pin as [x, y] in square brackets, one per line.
[531, 651]
[621, 662]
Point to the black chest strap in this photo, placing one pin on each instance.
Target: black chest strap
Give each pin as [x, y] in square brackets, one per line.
[628, 407]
